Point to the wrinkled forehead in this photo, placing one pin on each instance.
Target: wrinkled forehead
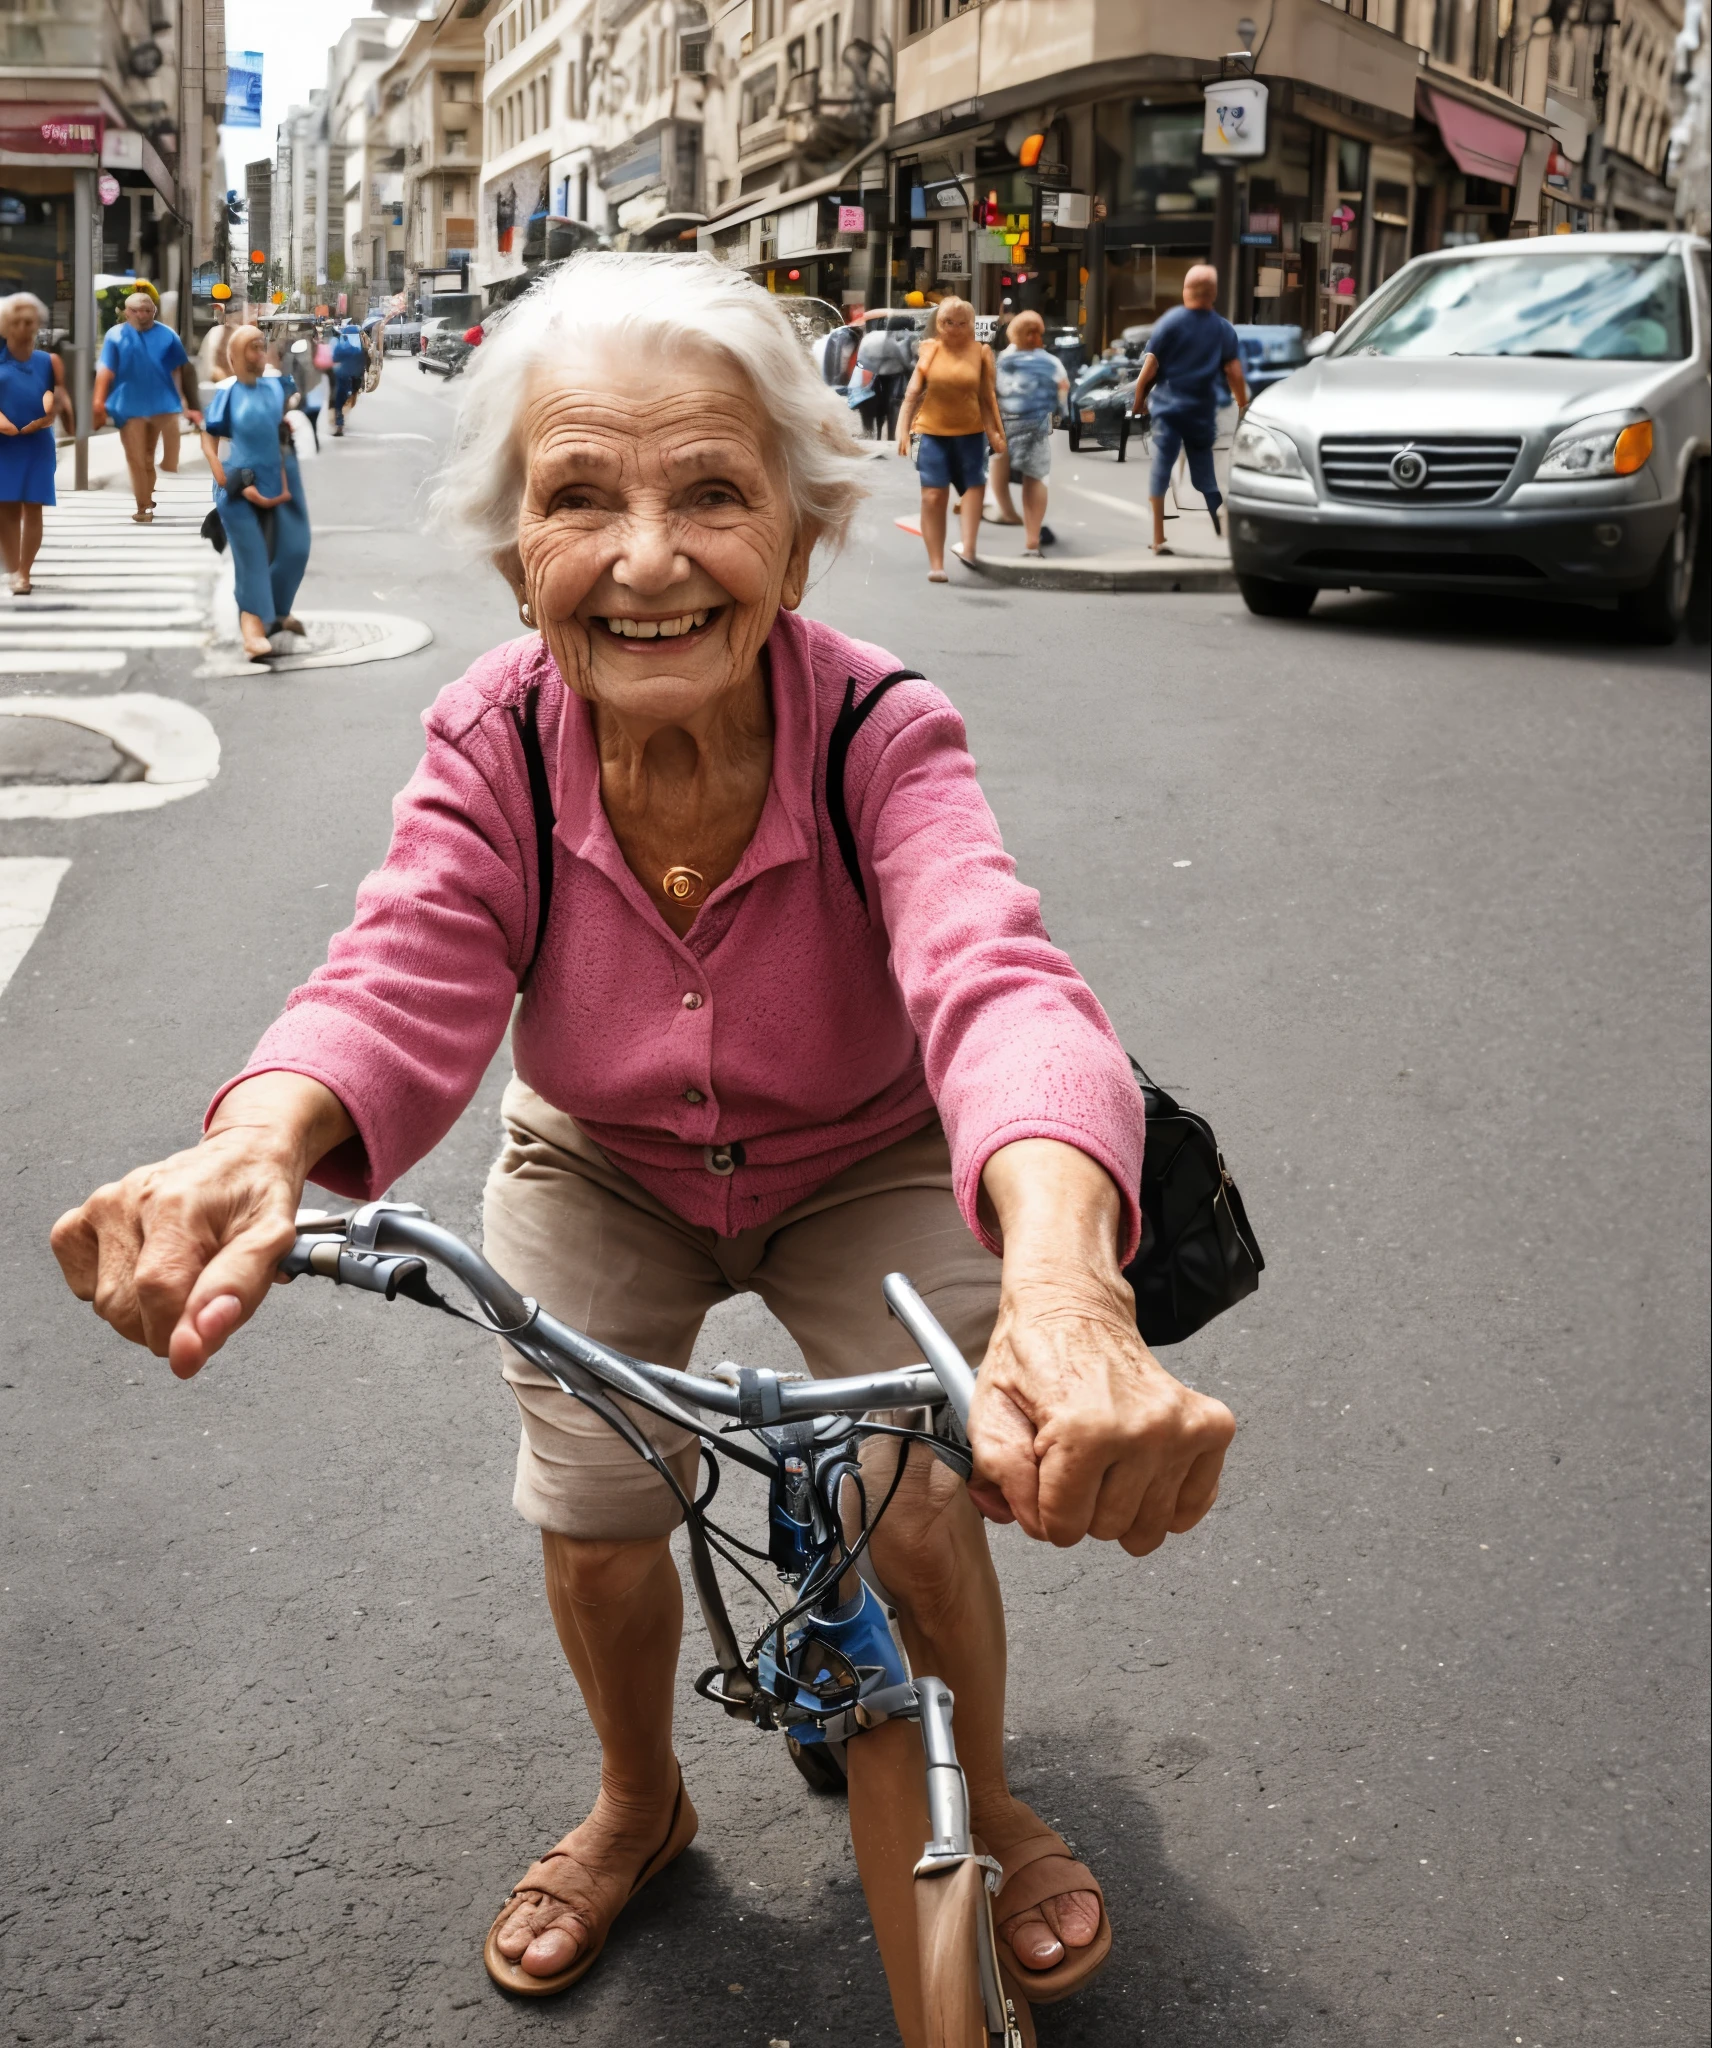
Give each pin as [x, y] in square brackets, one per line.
[647, 403]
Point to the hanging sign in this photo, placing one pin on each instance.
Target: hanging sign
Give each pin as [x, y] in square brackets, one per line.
[107, 189]
[1235, 123]
[243, 89]
[852, 220]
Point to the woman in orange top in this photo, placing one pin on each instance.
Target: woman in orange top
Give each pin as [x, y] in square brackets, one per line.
[952, 402]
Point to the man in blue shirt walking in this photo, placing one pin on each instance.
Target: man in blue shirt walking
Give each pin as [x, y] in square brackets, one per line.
[1178, 386]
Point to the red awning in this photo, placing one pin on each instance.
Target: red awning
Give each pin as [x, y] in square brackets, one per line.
[1482, 145]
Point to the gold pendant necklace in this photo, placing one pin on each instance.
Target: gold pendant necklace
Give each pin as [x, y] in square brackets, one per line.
[683, 885]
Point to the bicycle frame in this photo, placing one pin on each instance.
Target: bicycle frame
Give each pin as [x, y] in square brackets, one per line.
[837, 1673]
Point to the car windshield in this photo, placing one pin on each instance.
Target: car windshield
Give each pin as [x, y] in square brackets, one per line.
[1598, 308]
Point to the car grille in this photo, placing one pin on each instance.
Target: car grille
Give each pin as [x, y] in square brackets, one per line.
[1460, 470]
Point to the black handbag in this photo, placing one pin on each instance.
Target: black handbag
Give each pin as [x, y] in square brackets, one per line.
[1198, 1253]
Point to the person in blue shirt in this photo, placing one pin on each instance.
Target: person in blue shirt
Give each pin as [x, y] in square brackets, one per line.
[141, 385]
[31, 386]
[1178, 386]
[258, 491]
[350, 366]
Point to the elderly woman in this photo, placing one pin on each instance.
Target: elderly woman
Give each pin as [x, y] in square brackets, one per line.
[140, 383]
[32, 386]
[733, 1069]
[951, 403]
[258, 491]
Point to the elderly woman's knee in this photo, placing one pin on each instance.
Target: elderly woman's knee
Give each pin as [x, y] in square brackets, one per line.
[600, 1572]
[920, 1545]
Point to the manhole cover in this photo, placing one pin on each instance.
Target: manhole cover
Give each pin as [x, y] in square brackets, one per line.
[48, 750]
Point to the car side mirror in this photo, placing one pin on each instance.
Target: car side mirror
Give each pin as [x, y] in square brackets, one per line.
[1319, 344]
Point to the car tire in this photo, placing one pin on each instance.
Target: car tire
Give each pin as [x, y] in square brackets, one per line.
[1268, 599]
[1656, 613]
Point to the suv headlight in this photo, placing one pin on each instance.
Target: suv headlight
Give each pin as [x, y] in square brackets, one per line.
[1609, 444]
[1265, 449]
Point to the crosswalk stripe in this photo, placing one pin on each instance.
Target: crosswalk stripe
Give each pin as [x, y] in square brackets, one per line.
[70, 641]
[63, 661]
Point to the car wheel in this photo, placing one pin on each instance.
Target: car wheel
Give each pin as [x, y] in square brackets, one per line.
[1270, 600]
[1656, 613]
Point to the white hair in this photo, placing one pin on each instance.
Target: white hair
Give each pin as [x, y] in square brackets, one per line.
[659, 305]
[18, 300]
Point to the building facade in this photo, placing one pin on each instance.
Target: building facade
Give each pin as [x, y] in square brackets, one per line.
[430, 101]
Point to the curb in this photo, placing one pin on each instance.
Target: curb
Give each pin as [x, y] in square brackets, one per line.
[1108, 573]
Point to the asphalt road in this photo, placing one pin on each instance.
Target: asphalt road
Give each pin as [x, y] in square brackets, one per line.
[1405, 1744]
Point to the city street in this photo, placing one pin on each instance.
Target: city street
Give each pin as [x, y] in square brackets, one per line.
[1403, 1745]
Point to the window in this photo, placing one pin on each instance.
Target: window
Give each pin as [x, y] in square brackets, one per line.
[796, 59]
[458, 86]
[819, 47]
[759, 95]
[642, 72]
[664, 77]
[832, 45]
[457, 141]
[584, 62]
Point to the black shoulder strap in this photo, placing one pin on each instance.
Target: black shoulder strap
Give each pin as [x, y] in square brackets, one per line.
[844, 731]
[541, 803]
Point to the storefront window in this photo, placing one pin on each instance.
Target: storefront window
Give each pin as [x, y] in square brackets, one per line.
[1167, 172]
[35, 248]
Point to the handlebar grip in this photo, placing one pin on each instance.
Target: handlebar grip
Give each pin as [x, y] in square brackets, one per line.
[377, 1272]
[950, 1367]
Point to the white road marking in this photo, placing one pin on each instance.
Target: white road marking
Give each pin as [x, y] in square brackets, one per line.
[64, 639]
[63, 661]
[179, 750]
[27, 888]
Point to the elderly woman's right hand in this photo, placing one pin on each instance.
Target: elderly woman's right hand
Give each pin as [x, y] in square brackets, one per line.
[180, 1254]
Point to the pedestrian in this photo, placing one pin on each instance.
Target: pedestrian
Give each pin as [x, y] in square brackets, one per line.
[258, 491]
[32, 383]
[1178, 387]
[885, 357]
[141, 384]
[952, 402]
[1033, 386]
[910, 1077]
[350, 366]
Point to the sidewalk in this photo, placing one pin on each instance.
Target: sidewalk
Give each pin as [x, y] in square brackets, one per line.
[1098, 512]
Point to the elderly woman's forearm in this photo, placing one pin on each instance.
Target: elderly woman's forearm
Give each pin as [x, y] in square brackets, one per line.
[1058, 1213]
[290, 1116]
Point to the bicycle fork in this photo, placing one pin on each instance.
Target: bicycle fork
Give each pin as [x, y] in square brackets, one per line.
[950, 1858]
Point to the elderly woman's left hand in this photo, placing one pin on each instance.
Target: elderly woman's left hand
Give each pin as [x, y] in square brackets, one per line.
[1077, 1429]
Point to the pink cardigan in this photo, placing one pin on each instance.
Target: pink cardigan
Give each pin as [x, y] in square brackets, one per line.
[788, 1022]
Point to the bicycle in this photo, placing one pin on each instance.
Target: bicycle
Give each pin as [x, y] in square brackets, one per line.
[825, 1671]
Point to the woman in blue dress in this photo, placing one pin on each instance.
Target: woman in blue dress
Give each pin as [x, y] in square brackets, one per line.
[31, 384]
[258, 491]
[141, 384]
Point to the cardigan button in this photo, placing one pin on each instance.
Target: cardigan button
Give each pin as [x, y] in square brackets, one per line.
[692, 1001]
[718, 1159]
[694, 1095]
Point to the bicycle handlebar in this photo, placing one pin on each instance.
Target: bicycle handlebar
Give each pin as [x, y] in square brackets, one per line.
[385, 1247]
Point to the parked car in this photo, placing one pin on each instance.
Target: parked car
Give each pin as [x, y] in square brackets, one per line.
[1527, 417]
[1269, 355]
[403, 334]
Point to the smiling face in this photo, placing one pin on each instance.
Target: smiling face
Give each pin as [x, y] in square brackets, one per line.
[656, 539]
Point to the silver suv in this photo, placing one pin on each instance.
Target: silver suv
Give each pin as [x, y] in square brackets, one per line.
[1524, 417]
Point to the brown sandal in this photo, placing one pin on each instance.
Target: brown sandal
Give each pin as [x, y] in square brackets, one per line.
[1038, 1868]
[548, 1876]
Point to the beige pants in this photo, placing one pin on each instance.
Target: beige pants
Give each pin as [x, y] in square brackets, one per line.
[563, 1224]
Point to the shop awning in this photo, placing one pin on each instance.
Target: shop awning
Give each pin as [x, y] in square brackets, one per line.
[1482, 145]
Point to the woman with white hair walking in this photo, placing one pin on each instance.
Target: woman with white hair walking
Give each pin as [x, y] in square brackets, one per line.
[32, 384]
[753, 1052]
[258, 491]
[140, 384]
